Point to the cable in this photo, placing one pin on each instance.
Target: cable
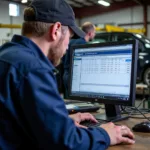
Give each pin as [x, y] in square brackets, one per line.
[141, 102]
[127, 110]
[131, 111]
[141, 114]
[124, 109]
[134, 111]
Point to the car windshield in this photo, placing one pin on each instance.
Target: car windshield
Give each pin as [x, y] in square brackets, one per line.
[100, 38]
[144, 39]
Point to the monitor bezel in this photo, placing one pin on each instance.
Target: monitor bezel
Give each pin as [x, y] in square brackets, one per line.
[131, 100]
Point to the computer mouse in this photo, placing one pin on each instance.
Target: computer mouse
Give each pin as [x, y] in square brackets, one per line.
[142, 127]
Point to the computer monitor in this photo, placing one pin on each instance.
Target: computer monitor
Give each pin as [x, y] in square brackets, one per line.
[104, 73]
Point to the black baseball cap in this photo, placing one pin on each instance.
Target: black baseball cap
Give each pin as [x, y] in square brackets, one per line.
[51, 11]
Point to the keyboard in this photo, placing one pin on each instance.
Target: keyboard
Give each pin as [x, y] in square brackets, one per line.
[72, 101]
[81, 107]
[92, 124]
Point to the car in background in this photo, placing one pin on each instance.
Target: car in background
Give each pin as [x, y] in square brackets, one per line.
[143, 71]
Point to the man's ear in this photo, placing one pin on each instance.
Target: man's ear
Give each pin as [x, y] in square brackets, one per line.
[55, 31]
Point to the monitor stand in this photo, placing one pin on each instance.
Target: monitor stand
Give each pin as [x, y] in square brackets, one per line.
[113, 114]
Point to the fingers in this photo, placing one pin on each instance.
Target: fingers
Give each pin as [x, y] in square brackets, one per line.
[127, 132]
[88, 116]
[92, 118]
[127, 140]
[78, 117]
[81, 126]
[126, 136]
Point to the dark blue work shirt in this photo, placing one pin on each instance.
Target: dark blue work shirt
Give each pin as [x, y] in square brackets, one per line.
[32, 113]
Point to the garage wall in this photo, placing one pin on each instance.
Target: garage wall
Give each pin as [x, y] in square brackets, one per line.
[129, 15]
[5, 33]
[124, 16]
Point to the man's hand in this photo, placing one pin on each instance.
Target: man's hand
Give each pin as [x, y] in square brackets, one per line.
[118, 134]
[78, 117]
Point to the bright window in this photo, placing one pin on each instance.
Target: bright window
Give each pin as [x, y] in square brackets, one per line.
[13, 9]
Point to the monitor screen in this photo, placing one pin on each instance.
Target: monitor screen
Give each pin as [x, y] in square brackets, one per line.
[103, 72]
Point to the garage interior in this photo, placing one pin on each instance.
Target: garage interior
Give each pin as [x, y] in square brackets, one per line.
[131, 16]
[134, 15]
[114, 21]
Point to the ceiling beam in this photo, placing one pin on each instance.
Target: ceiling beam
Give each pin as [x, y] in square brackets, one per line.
[77, 2]
[99, 9]
[90, 2]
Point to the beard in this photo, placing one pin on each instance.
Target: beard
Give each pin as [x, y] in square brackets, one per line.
[91, 39]
[56, 53]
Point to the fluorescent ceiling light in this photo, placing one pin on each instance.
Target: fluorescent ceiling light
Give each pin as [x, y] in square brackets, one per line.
[24, 1]
[104, 3]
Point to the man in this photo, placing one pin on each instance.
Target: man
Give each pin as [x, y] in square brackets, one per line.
[33, 115]
[89, 30]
